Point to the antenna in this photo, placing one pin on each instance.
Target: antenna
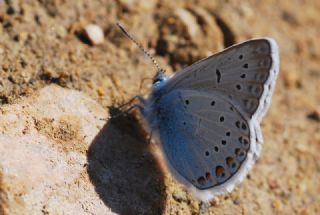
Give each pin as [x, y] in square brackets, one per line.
[159, 69]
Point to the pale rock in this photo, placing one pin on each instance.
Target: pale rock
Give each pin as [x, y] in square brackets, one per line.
[43, 144]
[211, 29]
[190, 23]
[94, 34]
[134, 5]
[180, 195]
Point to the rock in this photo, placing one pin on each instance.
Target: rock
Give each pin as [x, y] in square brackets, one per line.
[190, 23]
[94, 34]
[22, 37]
[237, 201]
[302, 147]
[210, 28]
[135, 5]
[43, 144]
[277, 205]
[180, 196]
[292, 79]
[304, 211]
[273, 184]
[314, 115]
[215, 201]
[195, 206]
[188, 35]
[60, 31]
[204, 207]
[101, 91]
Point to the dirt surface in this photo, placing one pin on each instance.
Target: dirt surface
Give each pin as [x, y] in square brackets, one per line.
[41, 43]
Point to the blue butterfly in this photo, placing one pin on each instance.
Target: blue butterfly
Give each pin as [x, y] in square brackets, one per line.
[207, 116]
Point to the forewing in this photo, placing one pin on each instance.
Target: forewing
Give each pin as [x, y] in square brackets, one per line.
[244, 73]
[208, 143]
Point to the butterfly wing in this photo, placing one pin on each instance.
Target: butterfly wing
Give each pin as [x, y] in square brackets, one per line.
[244, 73]
[208, 143]
[207, 116]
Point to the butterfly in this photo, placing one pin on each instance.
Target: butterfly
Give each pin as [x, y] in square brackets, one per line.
[207, 117]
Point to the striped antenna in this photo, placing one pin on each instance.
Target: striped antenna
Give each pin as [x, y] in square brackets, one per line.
[159, 69]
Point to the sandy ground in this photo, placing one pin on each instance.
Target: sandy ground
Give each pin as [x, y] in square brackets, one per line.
[41, 43]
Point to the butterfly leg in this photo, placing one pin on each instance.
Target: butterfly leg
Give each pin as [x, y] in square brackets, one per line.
[150, 137]
[140, 104]
[133, 107]
[126, 112]
[142, 81]
[140, 99]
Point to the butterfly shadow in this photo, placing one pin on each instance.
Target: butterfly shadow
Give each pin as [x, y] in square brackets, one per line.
[125, 174]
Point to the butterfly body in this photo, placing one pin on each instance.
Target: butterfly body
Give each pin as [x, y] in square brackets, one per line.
[207, 117]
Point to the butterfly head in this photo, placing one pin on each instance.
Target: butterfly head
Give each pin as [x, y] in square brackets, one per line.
[159, 78]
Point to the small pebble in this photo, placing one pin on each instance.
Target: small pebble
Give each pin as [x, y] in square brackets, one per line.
[204, 207]
[90, 85]
[291, 184]
[302, 147]
[5, 67]
[273, 184]
[215, 201]
[195, 205]
[277, 205]
[305, 211]
[61, 32]
[189, 21]
[101, 91]
[94, 34]
[314, 115]
[292, 80]
[237, 201]
[22, 37]
[180, 196]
